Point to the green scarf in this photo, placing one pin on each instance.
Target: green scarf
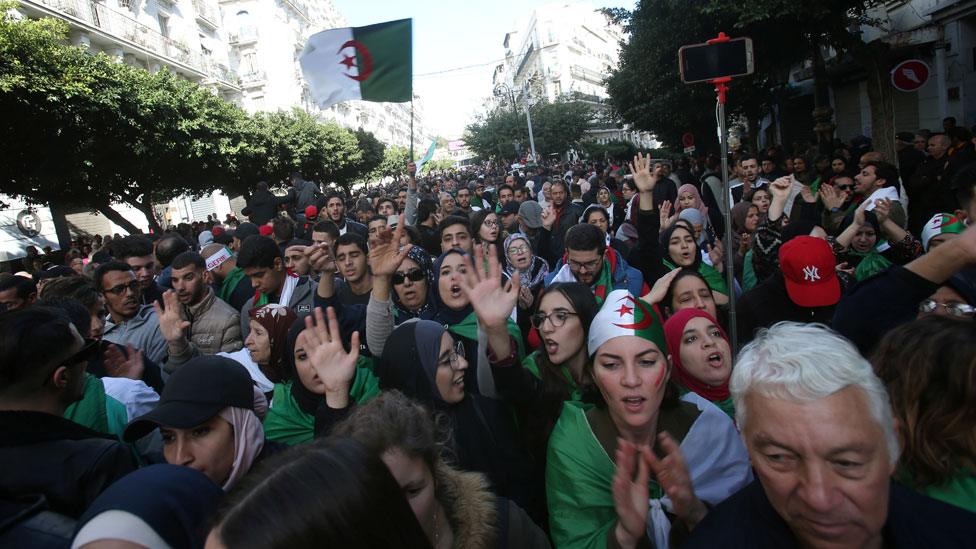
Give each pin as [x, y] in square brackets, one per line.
[288, 424]
[230, 284]
[604, 283]
[712, 277]
[468, 328]
[98, 411]
[749, 280]
[871, 263]
[530, 364]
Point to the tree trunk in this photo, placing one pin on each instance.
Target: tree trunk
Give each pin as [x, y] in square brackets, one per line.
[882, 106]
[147, 210]
[823, 113]
[116, 217]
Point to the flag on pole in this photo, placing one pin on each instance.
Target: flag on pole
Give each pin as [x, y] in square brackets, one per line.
[372, 63]
[428, 156]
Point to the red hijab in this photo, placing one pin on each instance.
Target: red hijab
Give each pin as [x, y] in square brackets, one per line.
[673, 330]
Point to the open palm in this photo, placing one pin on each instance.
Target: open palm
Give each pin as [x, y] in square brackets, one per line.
[385, 254]
[334, 366]
[492, 301]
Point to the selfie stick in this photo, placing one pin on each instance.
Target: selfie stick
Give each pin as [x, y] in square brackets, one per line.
[721, 88]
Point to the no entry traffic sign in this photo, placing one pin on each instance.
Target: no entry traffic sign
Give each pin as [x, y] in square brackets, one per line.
[909, 75]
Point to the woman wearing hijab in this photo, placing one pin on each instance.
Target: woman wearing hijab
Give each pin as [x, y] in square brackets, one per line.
[454, 310]
[680, 249]
[209, 418]
[264, 353]
[531, 271]
[634, 414]
[864, 247]
[690, 199]
[324, 378]
[455, 508]
[156, 507]
[701, 357]
[597, 215]
[745, 221]
[423, 361]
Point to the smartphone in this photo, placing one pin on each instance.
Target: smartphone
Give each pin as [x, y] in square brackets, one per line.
[705, 62]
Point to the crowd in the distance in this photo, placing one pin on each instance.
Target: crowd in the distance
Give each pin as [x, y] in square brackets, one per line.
[525, 356]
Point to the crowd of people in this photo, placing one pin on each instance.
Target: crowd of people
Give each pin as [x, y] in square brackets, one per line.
[521, 356]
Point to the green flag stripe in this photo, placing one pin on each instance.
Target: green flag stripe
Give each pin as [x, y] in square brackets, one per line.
[390, 47]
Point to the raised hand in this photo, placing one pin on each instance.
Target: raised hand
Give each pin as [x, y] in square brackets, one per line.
[640, 168]
[525, 297]
[117, 364]
[666, 219]
[745, 241]
[807, 193]
[333, 365]
[630, 494]
[492, 302]
[716, 253]
[780, 188]
[671, 473]
[548, 217]
[171, 323]
[831, 197]
[385, 253]
[412, 169]
[859, 214]
[660, 288]
[320, 258]
[882, 209]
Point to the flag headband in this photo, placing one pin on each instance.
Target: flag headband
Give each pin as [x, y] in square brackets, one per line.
[218, 259]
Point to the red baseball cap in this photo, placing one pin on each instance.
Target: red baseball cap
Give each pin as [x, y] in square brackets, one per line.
[311, 211]
[809, 268]
[266, 230]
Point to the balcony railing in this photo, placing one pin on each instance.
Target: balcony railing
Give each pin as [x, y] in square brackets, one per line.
[253, 77]
[299, 6]
[244, 35]
[207, 13]
[122, 26]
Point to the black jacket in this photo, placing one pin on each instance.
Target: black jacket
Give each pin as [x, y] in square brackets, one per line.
[748, 520]
[263, 206]
[70, 465]
[768, 303]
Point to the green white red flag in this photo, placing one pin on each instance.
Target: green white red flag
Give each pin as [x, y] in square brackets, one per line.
[371, 63]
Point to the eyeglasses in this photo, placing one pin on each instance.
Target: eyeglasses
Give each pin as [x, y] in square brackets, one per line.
[952, 309]
[843, 187]
[490, 223]
[589, 266]
[121, 288]
[515, 250]
[415, 275]
[556, 318]
[454, 359]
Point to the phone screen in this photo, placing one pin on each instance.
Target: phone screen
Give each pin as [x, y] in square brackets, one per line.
[710, 61]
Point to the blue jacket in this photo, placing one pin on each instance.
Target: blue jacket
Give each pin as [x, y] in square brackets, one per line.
[622, 275]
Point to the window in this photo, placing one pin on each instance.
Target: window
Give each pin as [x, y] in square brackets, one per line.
[163, 24]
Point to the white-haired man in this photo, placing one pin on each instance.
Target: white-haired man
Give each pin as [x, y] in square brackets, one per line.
[820, 434]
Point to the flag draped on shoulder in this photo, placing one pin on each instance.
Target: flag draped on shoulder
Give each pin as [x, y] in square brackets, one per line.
[372, 63]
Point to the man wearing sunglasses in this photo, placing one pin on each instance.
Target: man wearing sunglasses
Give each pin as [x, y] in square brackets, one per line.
[49, 460]
[129, 322]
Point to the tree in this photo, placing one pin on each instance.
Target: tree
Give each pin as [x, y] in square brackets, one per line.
[646, 89]
[372, 152]
[556, 127]
[394, 163]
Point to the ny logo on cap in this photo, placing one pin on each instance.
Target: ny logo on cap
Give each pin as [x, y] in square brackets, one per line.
[810, 273]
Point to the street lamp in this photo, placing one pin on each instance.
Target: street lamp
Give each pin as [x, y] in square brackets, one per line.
[503, 88]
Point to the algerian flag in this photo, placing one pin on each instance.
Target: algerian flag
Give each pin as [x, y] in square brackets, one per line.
[428, 156]
[372, 63]
[622, 314]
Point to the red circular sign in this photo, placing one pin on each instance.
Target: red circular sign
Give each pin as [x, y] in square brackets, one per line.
[688, 140]
[910, 75]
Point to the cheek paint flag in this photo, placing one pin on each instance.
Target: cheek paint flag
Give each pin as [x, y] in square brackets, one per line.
[371, 63]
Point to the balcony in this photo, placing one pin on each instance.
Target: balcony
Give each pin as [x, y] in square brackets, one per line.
[253, 78]
[118, 26]
[207, 13]
[243, 36]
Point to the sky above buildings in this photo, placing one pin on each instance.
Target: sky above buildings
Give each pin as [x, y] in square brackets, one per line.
[449, 35]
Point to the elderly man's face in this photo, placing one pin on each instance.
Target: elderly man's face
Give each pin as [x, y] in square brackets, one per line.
[823, 464]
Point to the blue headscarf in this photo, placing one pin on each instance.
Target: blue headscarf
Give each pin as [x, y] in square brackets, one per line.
[175, 502]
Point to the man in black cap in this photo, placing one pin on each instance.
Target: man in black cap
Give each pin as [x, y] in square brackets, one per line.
[508, 216]
[241, 233]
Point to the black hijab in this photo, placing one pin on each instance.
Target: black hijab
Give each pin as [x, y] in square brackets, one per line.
[666, 241]
[446, 315]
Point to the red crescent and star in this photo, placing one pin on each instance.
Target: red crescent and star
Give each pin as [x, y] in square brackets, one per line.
[625, 310]
[364, 65]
